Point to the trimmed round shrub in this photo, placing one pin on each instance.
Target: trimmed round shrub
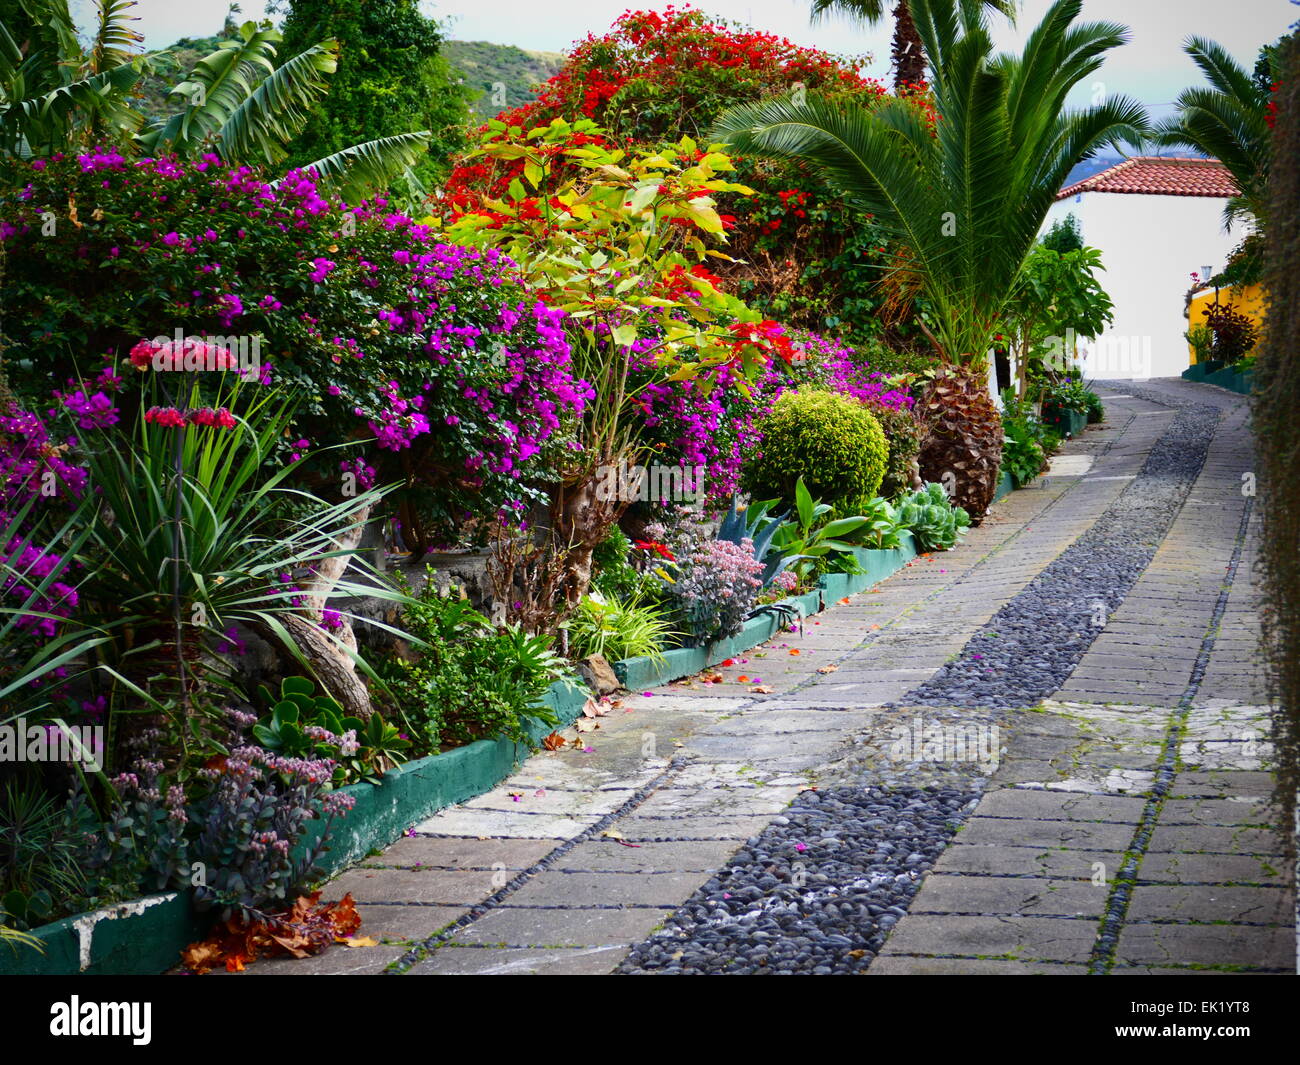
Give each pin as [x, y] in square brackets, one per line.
[830, 440]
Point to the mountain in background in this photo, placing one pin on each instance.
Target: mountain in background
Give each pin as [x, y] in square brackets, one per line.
[481, 65]
[151, 90]
[1089, 167]
[484, 66]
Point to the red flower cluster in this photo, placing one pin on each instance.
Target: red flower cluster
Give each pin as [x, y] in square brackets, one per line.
[675, 286]
[172, 417]
[658, 548]
[678, 57]
[766, 333]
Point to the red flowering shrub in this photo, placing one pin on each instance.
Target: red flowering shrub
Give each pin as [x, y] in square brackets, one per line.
[655, 76]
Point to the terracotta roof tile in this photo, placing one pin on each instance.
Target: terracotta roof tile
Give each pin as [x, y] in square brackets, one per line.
[1159, 176]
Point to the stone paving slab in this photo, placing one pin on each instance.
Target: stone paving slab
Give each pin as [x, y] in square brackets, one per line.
[554, 927]
[1013, 938]
[451, 853]
[1213, 945]
[459, 887]
[1064, 835]
[1209, 905]
[496, 961]
[1050, 862]
[1013, 895]
[608, 856]
[565, 888]
[1211, 869]
[904, 965]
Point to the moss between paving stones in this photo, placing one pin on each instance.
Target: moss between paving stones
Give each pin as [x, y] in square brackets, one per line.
[146, 935]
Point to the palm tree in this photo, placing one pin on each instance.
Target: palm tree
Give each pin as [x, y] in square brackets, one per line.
[965, 198]
[52, 89]
[1227, 120]
[908, 51]
[235, 102]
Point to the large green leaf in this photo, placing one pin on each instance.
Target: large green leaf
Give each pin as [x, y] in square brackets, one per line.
[367, 168]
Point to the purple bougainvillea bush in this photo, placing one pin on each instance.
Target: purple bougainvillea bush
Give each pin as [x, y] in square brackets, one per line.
[457, 378]
[718, 428]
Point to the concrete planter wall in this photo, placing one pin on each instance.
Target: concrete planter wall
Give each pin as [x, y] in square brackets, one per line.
[145, 936]
[1066, 422]
[1217, 374]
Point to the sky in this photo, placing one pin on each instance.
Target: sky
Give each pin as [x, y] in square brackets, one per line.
[1152, 67]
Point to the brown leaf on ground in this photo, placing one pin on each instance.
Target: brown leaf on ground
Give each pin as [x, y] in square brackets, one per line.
[307, 928]
[554, 741]
[761, 689]
[827, 669]
[591, 708]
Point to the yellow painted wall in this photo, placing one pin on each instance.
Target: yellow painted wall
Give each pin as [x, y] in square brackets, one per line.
[1248, 300]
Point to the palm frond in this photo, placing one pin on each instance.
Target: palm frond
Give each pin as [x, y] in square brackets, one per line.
[215, 88]
[966, 201]
[114, 41]
[276, 111]
[371, 166]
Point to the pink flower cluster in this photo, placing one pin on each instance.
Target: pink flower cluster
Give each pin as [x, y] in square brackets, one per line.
[191, 354]
[33, 467]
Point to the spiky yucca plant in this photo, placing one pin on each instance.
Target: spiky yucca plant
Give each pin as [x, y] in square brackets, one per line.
[965, 198]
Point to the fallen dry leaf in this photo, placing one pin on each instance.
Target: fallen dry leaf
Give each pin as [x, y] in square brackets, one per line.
[827, 669]
[359, 941]
[554, 742]
[761, 689]
[591, 708]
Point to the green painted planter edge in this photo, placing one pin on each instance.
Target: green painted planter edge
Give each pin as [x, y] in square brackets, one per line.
[142, 936]
[644, 672]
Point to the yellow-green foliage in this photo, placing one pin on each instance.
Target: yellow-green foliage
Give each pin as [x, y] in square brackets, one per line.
[830, 440]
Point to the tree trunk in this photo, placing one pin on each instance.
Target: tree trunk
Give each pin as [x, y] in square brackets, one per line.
[582, 519]
[963, 445]
[333, 666]
[908, 54]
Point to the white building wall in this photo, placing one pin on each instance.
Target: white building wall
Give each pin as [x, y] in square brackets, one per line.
[1150, 245]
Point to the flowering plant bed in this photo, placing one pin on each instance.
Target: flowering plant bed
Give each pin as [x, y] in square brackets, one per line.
[145, 936]
[645, 672]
